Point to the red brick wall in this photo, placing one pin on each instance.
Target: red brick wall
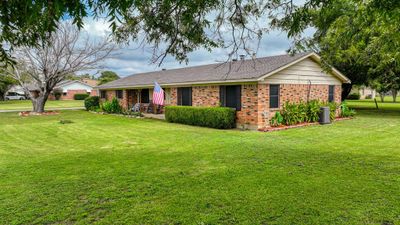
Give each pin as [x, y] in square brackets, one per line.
[110, 94]
[263, 113]
[71, 93]
[174, 96]
[205, 95]
[93, 93]
[298, 92]
[255, 112]
[248, 116]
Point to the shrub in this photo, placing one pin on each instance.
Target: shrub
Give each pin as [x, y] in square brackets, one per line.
[345, 111]
[277, 120]
[214, 117]
[92, 103]
[57, 93]
[112, 106]
[333, 106]
[291, 114]
[354, 96]
[313, 110]
[80, 96]
[368, 97]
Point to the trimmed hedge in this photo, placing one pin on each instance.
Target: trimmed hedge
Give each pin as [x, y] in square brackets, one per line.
[214, 117]
[80, 96]
[92, 103]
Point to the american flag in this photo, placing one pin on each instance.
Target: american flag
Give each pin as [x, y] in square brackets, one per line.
[158, 95]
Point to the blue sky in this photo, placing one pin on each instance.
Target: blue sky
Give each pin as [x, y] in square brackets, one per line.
[130, 60]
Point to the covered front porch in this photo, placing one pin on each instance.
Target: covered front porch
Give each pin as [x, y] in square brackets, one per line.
[141, 100]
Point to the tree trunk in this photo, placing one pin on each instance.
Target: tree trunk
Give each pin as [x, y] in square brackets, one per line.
[394, 94]
[382, 96]
[346, 89]
[39, 102]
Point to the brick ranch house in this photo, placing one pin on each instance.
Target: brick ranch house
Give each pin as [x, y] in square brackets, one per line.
[257, 88]
[71, 87]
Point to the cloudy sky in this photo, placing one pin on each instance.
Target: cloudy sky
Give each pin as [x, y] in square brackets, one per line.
[131, 60]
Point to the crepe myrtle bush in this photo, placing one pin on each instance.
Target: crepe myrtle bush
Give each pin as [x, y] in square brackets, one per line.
[214, 117]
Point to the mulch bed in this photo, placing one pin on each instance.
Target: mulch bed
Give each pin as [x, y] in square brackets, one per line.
[47, 113]
[284, 127]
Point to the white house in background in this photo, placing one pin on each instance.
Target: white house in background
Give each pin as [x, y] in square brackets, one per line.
[365, 92]
[71, 87]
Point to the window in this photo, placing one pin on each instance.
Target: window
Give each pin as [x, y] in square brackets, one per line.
[64, 93]
[230, 96]
[331, 97]
[102, 94]
[185, 96]
[118, 94]
[274, 96]
[144, 96]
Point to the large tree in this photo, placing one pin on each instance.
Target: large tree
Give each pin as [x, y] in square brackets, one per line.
[360, 38]
[39, 69]
[172, 27]
[107, 76]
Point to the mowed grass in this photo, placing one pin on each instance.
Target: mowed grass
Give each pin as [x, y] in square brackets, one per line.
[107, 169]
[27, 104]
[370, 104]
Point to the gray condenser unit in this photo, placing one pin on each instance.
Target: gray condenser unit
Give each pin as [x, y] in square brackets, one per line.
[324, 117]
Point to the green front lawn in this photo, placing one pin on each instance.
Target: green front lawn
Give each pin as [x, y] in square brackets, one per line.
[370, 104]
[27, 105]
[108, 169]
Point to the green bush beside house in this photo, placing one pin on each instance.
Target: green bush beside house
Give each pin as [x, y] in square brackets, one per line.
[214, 117]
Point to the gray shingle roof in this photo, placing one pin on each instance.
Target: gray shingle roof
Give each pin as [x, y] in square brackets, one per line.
[245, 70]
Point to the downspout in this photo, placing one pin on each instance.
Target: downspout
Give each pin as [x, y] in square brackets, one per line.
[309, 91]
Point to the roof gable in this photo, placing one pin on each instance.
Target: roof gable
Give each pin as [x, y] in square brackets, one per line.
[317, 59]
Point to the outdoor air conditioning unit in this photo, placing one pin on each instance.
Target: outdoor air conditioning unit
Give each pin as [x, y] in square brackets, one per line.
[324, 117]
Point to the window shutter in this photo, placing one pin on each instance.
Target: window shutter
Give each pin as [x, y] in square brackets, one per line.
[190, 95]
[238, 97]
[222, 94]
[179, 96]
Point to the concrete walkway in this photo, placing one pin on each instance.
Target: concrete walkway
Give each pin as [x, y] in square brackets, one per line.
[47, 109]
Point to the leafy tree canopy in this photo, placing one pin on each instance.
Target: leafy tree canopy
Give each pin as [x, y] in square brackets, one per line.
[360, 38]
[176, 27]
[107, 76]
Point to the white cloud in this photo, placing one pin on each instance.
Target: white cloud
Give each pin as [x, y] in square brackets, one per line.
[130, 60]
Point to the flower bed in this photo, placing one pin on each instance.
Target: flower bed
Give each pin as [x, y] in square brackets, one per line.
[305, 124]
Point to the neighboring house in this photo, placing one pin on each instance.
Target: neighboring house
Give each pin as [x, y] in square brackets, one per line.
[71, 87]
[365, 92]
[17, 89]
[257, 88]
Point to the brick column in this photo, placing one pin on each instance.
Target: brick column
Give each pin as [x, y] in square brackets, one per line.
[124, 101]
[174, 96]
[263, 114]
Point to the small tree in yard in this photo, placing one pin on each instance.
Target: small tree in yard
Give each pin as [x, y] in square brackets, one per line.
[51, 62]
